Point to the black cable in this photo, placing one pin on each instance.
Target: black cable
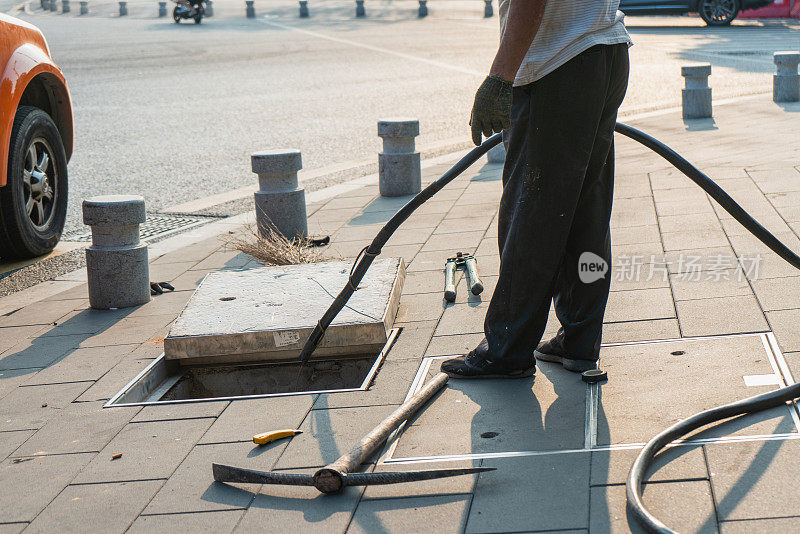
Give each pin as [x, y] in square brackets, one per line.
[750, 405]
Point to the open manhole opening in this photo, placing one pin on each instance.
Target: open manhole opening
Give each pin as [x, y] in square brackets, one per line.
[168, 382]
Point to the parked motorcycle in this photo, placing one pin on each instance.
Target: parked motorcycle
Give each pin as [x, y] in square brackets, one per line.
[185, 9]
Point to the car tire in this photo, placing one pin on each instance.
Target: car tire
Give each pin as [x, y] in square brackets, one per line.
[175, 16]
[718, 12]
[33, 203]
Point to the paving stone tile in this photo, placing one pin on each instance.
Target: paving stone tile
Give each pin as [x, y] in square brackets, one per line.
[630, 412]
[695, 221]
[666, 500]
[44, 312]
[438, 513]
[12, 528]
[464, 484]
[412, 340]
[464, 295]
[773, 222]
[417, 221]
[10, 379]
[389, 388]
[489, 245]
[455, 344]
[754, 479]
[189, 280]
[29, 407]
[86, 321]
[423, 282]
[692, 260]
[778, 293]
[300, 509]
[457, 225]
[169, 302]
[328, 434]
[647, 330]
[722, 283]
[725, 315]
[632, 212]
[9, 441]
[784, 324]
[82, 365]
[462, 319]
[244, 418]
[39, 351]
[674, 463]
[195, 252]
[560, 483]
[634, 235]
[192, 489]
[762, 261]
[776, 525]
[364, 232]
[223, 521]
[26, 487]
[167, 272]
[700, 238]
[130, 330]
[115, 379]
[114, 506]
[475, 416]
[639, 304]
[149, 450]
[465, 242]
[625, 257]
[190, 410]
[422, 307]
[16, 335]
[646, 276]
[79, 427]
[696, 205]
[405, 236]
[490, 265]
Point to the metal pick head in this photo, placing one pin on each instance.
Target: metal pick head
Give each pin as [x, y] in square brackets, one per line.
[227, 473]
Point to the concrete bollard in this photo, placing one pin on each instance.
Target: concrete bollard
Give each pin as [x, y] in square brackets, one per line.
[209, 8]
[786, 83]
[303, 9]
[696, 97]
[423, 8]
[84, 7]
[399, 172]
[279, 201]
[123, 9]
[65, 6]
[487, 9]
[250, 10]
[45, 4]
[360, 11]
[53, 6]
[162, 9]
[497, 154]
[116, 263]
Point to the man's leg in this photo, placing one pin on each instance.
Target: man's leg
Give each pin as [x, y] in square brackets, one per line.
[580, 299]
[554, 122]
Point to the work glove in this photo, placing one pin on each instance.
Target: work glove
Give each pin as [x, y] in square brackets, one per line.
[491, 111]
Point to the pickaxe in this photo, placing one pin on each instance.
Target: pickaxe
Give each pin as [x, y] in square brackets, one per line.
[334, 477]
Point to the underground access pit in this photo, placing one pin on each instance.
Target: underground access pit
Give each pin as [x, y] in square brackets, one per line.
[168, 382]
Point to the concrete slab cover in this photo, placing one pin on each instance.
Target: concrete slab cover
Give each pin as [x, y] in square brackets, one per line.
[268, 313]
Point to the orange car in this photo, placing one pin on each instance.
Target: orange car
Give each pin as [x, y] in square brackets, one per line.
[35, 142]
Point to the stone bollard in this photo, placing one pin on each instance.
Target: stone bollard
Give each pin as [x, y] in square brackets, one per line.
[423, 8]
[487, 9]
[303, 9]
[696, 97]
[786, 83]
[497, 154]
[45, 4]
[53, 6]
[279, 201]
[399, 172]
[209, 9]
[249, 9]
[84, 7]
[116, 263]
[65, 6]
[360, 11]
[123, 9]
[162, 9]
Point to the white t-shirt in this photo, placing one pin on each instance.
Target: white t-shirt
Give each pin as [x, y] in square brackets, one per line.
[568, 28]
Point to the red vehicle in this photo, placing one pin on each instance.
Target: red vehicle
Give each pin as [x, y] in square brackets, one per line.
[36, 135]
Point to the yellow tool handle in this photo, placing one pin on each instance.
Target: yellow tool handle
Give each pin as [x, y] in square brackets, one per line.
[266, 437]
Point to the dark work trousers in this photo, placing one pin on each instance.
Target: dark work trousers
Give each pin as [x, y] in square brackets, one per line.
[558, 182]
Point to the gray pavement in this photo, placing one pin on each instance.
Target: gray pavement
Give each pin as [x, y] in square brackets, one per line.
[682, 333]
[173, 112]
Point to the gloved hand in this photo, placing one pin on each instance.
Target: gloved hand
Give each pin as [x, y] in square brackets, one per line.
[491, 111]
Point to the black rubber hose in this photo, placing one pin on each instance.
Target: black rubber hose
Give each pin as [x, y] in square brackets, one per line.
[753, 404]
[364, 259]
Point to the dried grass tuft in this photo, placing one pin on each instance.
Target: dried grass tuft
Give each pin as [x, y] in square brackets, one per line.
[270, 247]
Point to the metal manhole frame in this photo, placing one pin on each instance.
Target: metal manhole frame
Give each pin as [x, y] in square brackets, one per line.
[184, 222]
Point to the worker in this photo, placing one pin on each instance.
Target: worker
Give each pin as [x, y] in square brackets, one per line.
[554, 88]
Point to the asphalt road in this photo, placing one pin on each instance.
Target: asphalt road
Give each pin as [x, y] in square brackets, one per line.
[173, 112]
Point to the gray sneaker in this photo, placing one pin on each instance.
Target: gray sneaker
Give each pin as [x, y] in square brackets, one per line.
[552, 351]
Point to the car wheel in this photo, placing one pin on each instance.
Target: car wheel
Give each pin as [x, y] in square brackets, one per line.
[718, 12]
[175, 16]
[33, 203]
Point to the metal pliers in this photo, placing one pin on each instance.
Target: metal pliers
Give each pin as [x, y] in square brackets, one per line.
[468, 263]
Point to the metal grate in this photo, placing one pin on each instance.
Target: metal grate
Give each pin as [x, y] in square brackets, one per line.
[155, 226]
